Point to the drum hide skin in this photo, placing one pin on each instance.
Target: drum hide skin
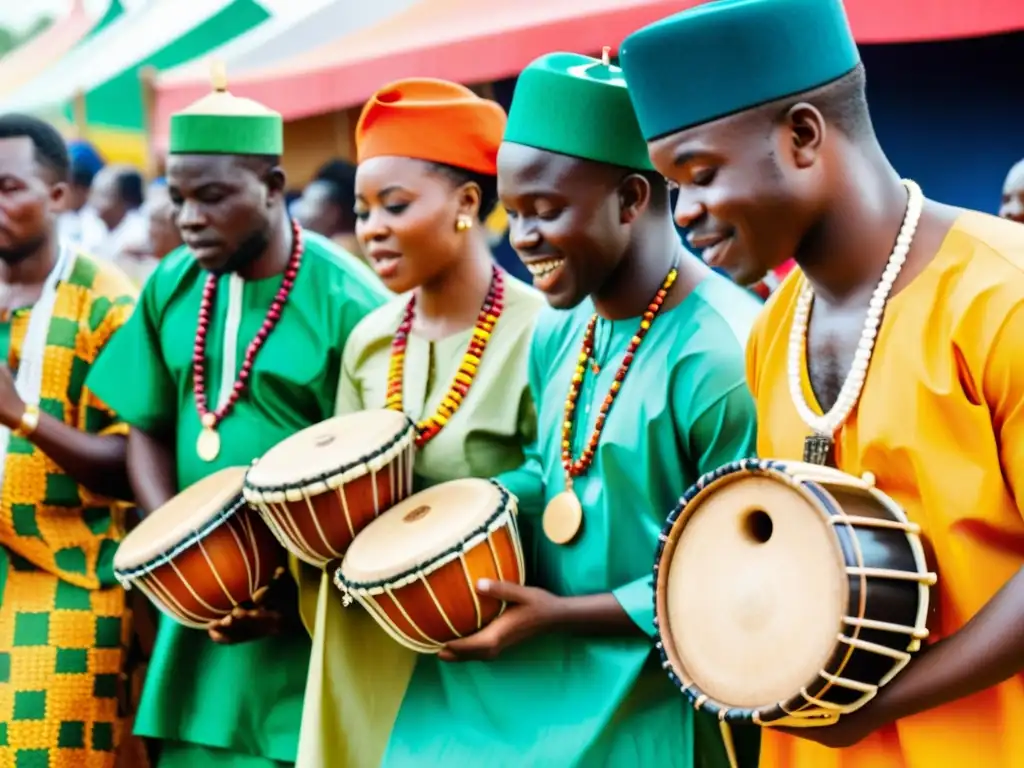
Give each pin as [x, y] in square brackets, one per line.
[788, 593]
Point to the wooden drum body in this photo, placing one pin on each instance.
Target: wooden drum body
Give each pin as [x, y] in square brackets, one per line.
[320, 487]
[202, 553]
[788, 593]
[416, 567]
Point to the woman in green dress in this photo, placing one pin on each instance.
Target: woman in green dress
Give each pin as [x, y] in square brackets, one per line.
[425, 182]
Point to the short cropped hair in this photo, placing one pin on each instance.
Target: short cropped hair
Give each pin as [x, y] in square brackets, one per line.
[50, 150]
[259, 164]
[131, 188]
[339, 177]
[488, 185]
[843, 103]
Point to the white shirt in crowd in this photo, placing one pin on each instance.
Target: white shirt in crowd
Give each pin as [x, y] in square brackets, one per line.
[84, 228]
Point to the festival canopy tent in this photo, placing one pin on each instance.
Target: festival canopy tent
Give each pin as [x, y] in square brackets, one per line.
[105, 70]
[293, 29]
[475, 41]
[27, 61]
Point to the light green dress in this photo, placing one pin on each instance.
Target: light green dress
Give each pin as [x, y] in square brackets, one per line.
[561, 701]
[213, 705]
[357, 673]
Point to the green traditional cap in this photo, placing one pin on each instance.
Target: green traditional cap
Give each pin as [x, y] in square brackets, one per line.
[576, 105]
[727, 56]
[222, 124]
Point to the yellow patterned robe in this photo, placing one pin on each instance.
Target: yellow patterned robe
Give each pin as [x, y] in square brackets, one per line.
[63, 623]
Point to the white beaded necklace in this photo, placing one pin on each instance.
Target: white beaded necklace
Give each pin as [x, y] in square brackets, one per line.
[818, 446]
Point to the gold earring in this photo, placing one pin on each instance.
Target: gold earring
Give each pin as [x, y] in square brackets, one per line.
[463, 223]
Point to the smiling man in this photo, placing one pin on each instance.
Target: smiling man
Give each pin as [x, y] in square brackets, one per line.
[637, 374]
[235, 345]
[893, 348]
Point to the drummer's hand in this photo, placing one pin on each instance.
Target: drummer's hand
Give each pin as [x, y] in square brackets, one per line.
[272, 611]
[849, 730]
[853, 728]
[245, 624]
[529, 612]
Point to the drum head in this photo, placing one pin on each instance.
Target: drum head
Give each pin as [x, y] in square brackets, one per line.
[421, 529]
[327, 449]
[752, 595]
[180, 518]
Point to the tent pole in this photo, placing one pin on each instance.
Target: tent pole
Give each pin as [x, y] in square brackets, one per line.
[344, 134]
[147, 82]
[78, 116]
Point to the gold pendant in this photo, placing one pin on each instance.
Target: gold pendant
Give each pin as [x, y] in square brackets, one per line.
[563, 518]
[208, 444]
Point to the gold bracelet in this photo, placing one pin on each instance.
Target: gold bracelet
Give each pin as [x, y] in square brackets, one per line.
[29, 421]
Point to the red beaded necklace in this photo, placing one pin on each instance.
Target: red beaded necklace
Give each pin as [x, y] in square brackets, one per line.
[574, 468]
[208, 445]
[491, 310]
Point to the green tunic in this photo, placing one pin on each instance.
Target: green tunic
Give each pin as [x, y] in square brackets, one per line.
[247, 698]
[357, 673]
[563, 701]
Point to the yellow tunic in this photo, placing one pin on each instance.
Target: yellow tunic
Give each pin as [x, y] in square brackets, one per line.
[357, 674]
[63, 623]
[941, 425]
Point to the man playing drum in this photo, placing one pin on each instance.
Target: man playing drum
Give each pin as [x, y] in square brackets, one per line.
[63, 620]
[566, 675]
[775, 157]
[236, 345]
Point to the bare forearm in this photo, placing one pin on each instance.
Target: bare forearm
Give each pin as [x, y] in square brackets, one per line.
[984, 653]
[151, 469]
[94, 461]
[593, 615]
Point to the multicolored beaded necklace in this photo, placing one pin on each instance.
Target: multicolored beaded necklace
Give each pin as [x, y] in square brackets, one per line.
[208, 445]
[491, 310]
[563, 515]
[575, 468]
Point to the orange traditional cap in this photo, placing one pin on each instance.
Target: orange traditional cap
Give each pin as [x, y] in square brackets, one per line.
[433, 120]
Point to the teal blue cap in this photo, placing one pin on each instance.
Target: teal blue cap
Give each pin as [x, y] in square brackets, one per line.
[578, 106]
[727, 56]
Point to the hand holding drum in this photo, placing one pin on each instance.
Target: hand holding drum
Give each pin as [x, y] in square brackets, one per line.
[202, 553]
[416, 567]
[787, 594]
[340, 490]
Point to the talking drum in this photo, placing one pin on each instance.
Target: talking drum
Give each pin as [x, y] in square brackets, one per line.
[320, 487]
[788, 593]
[416, 567]
[202, 553]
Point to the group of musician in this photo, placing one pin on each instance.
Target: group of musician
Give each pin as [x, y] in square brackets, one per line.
[597, 397]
